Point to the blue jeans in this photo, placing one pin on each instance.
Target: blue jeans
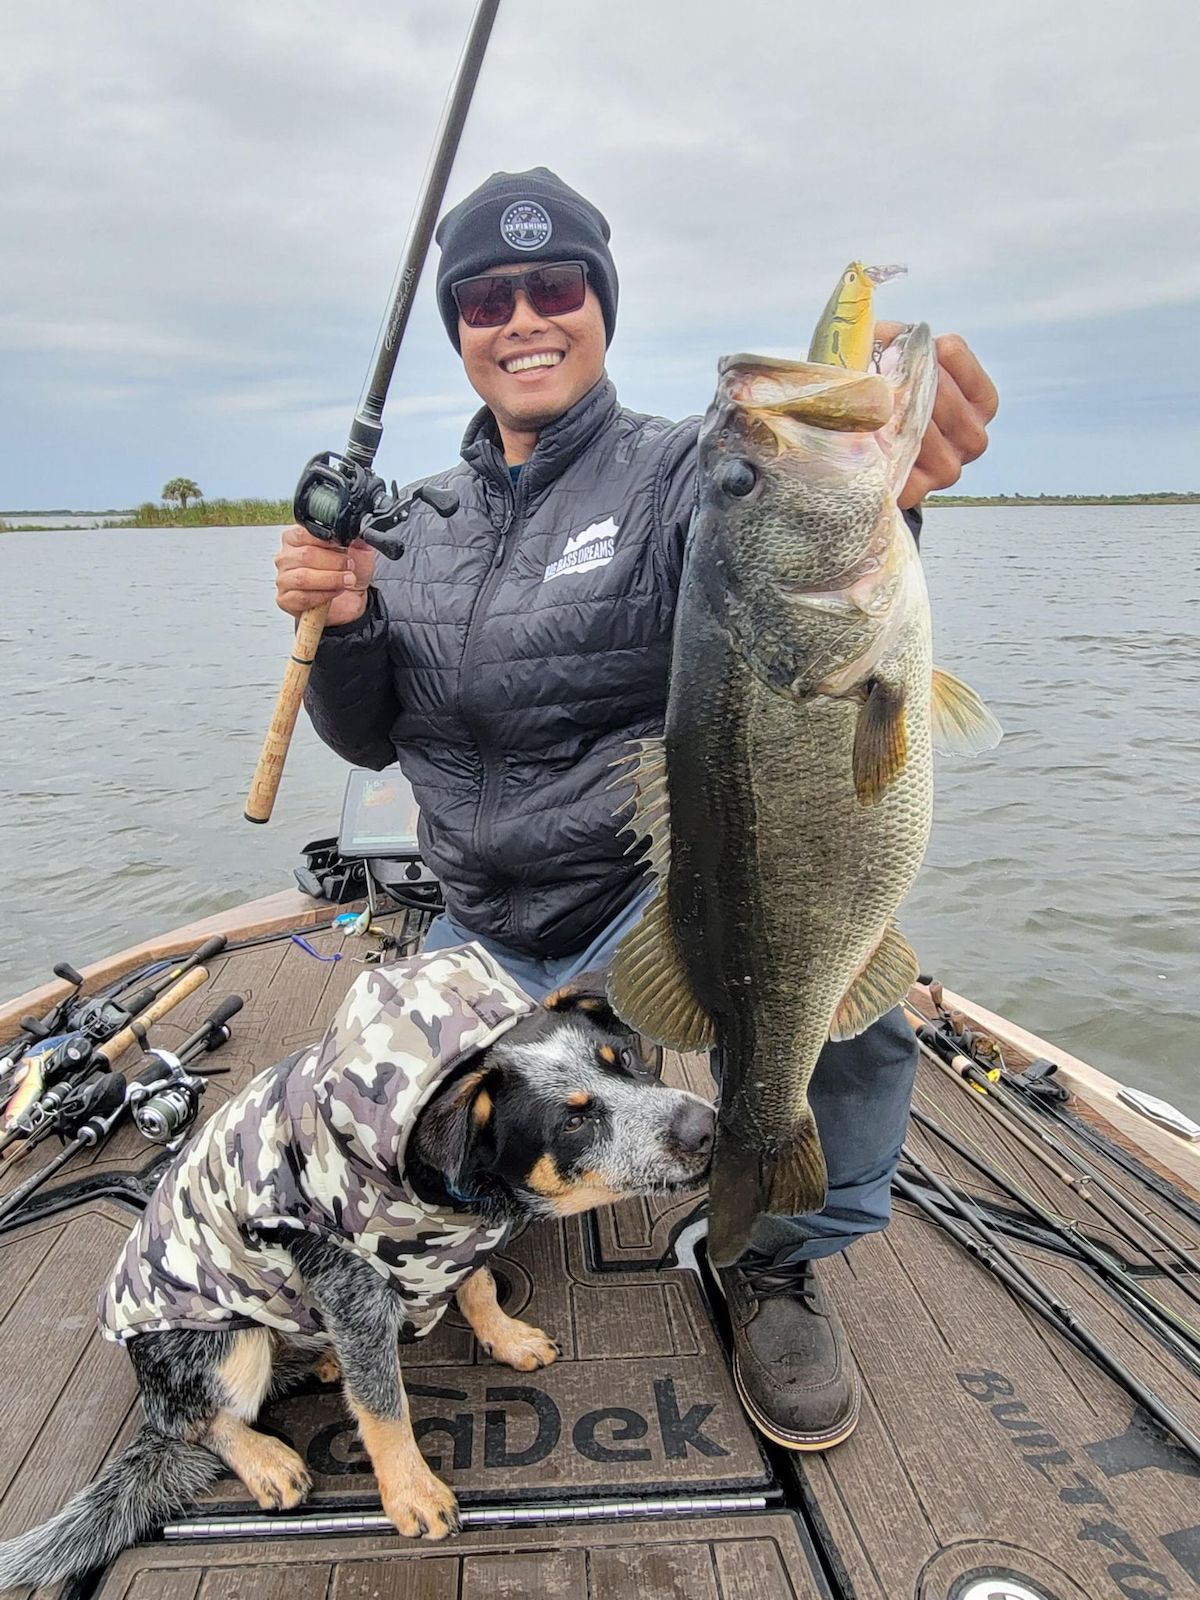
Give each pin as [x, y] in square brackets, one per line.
[539, 978]
[860, 1095]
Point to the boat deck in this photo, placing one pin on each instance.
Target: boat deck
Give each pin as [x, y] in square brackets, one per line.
[989, 1446]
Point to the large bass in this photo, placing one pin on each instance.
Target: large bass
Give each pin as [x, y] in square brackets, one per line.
[789, 805]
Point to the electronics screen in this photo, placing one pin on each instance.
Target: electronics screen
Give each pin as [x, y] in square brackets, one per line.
[379, 815]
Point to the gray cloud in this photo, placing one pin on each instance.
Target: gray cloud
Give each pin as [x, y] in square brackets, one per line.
[205, 205]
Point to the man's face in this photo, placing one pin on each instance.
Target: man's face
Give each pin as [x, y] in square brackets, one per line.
[529, 398]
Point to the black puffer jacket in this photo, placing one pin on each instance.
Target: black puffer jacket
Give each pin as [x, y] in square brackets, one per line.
[508, 658]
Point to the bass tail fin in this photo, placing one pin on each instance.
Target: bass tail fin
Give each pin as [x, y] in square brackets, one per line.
[747, 1182]
[151, 1480]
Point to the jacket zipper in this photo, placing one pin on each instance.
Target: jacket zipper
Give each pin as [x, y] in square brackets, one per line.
[490, 773]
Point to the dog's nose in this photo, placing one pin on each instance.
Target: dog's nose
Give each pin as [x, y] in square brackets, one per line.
[692, 1127]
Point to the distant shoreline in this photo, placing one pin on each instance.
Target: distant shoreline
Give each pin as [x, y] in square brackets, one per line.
[200, 514]
[65, 511]
[276, 513]
[1166, 499]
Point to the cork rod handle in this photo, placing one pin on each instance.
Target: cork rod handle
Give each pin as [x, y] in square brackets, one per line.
[267, 774]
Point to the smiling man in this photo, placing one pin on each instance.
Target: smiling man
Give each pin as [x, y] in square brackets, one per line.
[547, 351]
[509, 658]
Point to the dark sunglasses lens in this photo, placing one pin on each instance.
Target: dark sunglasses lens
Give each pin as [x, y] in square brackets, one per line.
[485, 302]
[555, 291]
[488, 302]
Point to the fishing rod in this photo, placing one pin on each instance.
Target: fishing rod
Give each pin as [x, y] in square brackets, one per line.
[1005, 1107]
[105, 1029]
[212, 946]
[1096, 1144]
[1181, 1335]
[982, 1242]
[1111, 1221]
[1035, 1085]
[339, 497]
[99, 1017]
[163, 1100]
[941, 1045]
[132, 1188]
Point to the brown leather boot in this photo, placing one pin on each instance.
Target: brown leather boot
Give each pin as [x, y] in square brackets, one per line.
[791, 1361]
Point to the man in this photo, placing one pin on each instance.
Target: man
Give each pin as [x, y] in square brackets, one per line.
[519, 646]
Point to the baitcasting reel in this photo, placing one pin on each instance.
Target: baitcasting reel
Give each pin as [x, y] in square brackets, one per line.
[338, 499]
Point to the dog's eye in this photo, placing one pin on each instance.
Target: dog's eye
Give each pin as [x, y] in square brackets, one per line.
[574, 1122]
[633, 1061]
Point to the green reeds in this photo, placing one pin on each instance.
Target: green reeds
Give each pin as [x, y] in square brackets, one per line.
[211, 514]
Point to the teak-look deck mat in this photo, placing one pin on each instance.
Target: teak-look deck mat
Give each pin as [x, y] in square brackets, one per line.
[989, 1448]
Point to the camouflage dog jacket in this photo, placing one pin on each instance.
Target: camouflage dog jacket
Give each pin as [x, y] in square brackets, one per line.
[317, 1143]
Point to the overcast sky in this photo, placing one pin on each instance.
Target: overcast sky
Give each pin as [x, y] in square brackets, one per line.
[204, 205]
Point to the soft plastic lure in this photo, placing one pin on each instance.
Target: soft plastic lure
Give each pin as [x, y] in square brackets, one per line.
[304, 945]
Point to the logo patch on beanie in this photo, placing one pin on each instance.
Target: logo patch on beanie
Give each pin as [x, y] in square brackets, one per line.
[525, 226]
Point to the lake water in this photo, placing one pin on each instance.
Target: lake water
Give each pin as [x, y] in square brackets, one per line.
[139, 668]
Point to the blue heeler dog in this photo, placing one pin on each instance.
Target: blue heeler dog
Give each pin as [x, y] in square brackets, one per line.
[330, 1212]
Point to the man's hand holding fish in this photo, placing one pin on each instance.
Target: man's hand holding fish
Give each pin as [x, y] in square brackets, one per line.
[965, 403]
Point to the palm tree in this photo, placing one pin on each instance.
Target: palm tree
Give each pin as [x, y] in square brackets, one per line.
[183, 490]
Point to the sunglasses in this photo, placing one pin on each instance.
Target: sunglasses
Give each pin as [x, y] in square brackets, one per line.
[489, 301]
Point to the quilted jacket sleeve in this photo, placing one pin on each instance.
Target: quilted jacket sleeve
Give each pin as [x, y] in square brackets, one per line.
[351, 694]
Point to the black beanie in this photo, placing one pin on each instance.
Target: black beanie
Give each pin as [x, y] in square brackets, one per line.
[524, 216]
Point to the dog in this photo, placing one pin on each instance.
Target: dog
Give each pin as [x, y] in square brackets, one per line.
[527, 1111]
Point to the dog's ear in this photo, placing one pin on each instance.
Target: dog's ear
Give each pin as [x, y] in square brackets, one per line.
[587, 993]
[450, 1128]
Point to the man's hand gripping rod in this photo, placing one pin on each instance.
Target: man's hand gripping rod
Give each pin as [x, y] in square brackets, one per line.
[339, 497]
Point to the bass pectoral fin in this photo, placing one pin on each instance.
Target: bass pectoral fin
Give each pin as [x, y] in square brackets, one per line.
[959, 720]
[648, 984]
[880, 741]
[889, 973]
[746, 1183]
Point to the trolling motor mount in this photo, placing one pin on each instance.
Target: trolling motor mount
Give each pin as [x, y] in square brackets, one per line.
[339, 499]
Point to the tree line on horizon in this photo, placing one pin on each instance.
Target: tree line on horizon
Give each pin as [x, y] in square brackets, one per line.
[1154, 497]
[184, 505]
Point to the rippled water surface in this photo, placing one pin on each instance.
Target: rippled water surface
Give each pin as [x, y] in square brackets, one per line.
[1062, 881]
